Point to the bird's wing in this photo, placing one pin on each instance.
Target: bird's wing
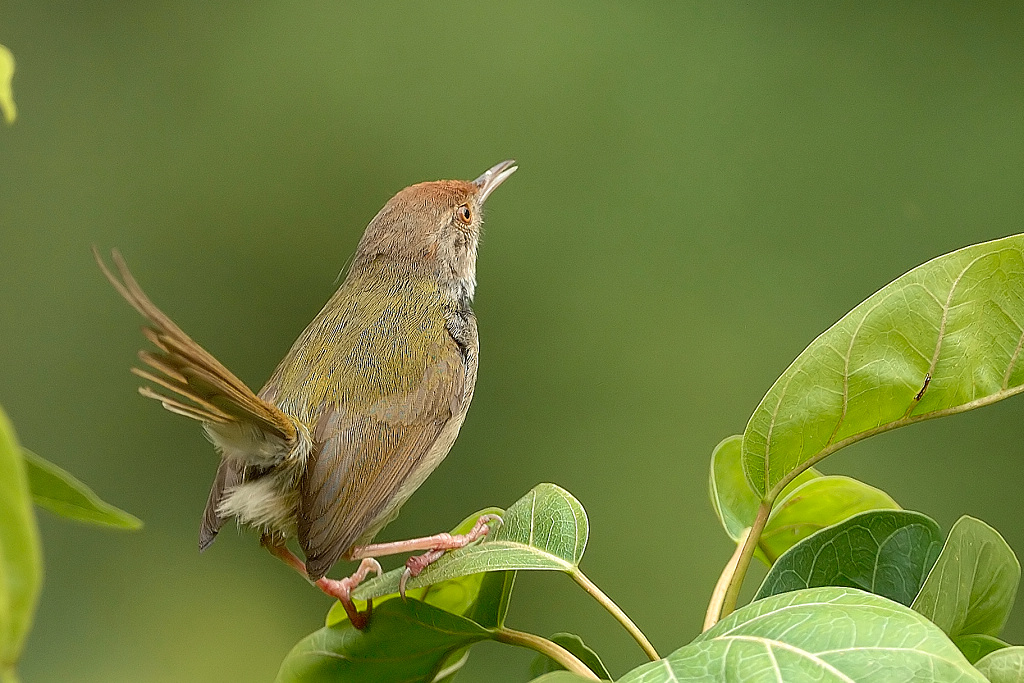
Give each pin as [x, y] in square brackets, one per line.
[362, 458]
[200, 387]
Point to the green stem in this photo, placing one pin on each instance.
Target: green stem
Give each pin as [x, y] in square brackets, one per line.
[546, 648]
[606, 602]
[714, 612]
[732, 593]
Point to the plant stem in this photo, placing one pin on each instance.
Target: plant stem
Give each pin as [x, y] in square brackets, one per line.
[724, 581]
[546, 648]
[732, 593]
[606, 602]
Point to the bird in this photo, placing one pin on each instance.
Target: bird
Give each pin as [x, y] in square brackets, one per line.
[364, 406]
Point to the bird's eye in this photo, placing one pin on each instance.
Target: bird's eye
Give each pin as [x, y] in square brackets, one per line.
[464, 214]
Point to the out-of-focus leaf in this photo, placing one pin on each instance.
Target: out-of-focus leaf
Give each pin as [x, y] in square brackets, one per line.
[406, 640]
[820, 634]
[20, 555]
[973, 584]
[1003, 666]
[574, 644]
[977, 645]
[7, 108]
[942, 339]
[545, 529]
[62, 494]
[814, 505]
[885, 552]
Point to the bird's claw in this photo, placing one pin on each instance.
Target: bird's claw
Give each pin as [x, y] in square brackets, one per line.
[342, 590]
[417, 563]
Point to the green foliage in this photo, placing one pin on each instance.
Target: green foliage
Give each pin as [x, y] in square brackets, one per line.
[407, 641]
[21, 562]
[25, 477]
[942, 339]
[7, 108]
[971, 588]
[819, 634]
[62, 494]
[976, 646]
[574, 644]
[810, 502]
[1004, 665]
[885, 552]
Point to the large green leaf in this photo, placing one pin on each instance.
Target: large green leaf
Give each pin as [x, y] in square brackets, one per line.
[1003, 666]
[944, 338]
[574, 644]
[545, 529]
[885, 552]
[819, 634]
[20, 555]
[972, 586]
[814, 505]
[62, 494]
[7, 108]
[407, 640]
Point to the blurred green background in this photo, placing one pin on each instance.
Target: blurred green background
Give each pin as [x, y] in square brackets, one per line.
[703, 188]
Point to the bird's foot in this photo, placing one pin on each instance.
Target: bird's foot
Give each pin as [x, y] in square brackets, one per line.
[442, 543]
[342, 590]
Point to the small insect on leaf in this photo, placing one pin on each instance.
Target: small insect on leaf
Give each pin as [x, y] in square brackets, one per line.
[927, 381]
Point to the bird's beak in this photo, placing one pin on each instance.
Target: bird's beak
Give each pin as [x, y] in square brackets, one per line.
[493, 177]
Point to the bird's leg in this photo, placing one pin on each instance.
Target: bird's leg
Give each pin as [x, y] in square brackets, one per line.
[436, 546]
[341, 590]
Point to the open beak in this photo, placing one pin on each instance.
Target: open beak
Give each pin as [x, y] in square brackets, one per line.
[493, 177]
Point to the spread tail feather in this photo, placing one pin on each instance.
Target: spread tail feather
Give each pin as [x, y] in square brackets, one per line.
[199, 386]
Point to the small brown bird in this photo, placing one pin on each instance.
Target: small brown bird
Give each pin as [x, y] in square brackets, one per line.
[365, 405]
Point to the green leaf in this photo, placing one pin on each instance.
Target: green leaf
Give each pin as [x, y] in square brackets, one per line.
[885, 552]
[976, 646]
[20, 555]
[545, 529]
[7, 107]
[820, 634]
[734, 502]
[62, 494]
[973, 584]
[405, 641]
[942, 339]
[574, 644]
[493, 600]
[814, 505]
[1003, 666]
[458, 595]
[808, 503]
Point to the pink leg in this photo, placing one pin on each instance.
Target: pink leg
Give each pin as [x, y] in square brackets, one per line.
[435, 545]
[341, 590]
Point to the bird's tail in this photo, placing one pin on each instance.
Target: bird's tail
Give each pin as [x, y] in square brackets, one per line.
[245, 428]
[195, 383]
